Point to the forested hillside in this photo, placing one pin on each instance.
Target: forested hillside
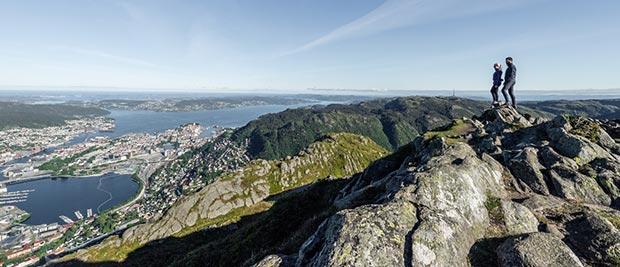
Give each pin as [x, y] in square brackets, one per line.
[14, 114]
[390, 122]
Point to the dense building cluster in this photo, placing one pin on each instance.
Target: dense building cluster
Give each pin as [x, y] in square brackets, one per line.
[162, 162]
[190, 172]
[21, 142]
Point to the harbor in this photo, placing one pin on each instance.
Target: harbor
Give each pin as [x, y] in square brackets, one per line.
[69, 195]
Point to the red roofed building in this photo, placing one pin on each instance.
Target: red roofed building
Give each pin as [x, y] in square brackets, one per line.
[25, 250]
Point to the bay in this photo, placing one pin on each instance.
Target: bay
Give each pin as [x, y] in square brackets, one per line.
[63, 196]
[56, 196]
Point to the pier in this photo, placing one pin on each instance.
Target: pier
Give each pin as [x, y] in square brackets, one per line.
[78, 214]
[66, 219]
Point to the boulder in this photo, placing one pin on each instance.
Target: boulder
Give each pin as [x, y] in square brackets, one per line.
[550, 158]
[539, 203]
[608, 176]
[605, 140]
[526, 168]
[536, 250]
[275, 261]
[571, 142]
[371, 235]
[518, 219]
[579, 148]
[572, 185]
[595, 238]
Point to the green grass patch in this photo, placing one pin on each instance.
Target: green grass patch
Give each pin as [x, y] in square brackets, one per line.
[105, 252]
[615, 220]
[452, 133]
[585, 127]
[494, 207]
[59, 166]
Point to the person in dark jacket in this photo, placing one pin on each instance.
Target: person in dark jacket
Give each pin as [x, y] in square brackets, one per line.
[510, 78]
[497, 81]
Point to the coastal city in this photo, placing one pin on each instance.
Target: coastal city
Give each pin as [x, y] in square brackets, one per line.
[23, 142]
[104, 155]
[163, 164]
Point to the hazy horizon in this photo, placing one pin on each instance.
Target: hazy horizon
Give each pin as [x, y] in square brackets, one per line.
[318, 91]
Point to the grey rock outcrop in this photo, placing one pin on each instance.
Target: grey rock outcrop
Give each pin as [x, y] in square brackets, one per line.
[525, 167]
[432, 218]
[371, 235]
[566, 141]
[596, 238]
[275, 261]
[572, 185]
[518, 219]
[536, 250]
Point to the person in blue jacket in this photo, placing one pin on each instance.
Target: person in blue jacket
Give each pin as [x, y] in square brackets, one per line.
[509, 81]
[497, 81]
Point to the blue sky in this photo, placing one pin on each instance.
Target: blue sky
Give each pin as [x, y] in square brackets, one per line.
[294, 45]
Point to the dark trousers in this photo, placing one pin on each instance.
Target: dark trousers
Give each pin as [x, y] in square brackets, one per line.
[509, 88]
[494, 90]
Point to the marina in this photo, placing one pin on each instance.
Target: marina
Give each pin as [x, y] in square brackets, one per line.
[11, 198]
[78, 215]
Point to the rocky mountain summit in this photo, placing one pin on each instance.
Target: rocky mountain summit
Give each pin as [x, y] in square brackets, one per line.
[499, 189]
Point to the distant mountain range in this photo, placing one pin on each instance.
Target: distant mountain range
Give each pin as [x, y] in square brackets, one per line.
[210, 103]
[595, 108]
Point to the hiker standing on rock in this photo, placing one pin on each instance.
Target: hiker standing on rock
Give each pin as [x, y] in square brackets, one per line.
[497, 81]
[509, 82]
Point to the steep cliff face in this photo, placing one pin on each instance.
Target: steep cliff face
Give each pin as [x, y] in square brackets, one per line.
[496, 190]
[333, 155]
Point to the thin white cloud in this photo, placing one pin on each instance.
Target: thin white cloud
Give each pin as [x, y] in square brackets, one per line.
[105, 55]
[394, 14]
[133, 11]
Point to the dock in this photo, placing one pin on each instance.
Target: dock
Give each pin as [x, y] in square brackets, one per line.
[66, 219]
[78, 214]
